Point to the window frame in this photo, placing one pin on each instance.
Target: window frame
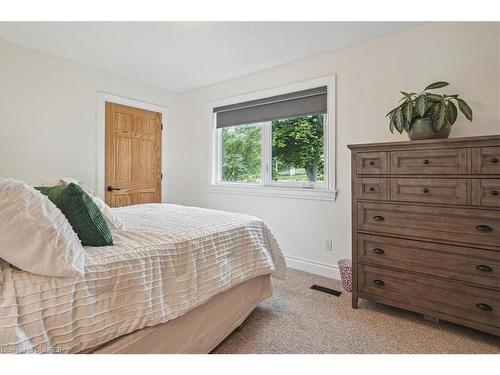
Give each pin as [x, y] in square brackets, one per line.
[320, 190]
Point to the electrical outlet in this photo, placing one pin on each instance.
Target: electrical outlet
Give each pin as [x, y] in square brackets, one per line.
[328, 245]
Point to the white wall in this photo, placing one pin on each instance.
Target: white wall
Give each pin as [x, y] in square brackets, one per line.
[48, 114]
[369, 78]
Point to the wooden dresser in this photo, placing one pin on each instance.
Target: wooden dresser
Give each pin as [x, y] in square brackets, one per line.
[426, 228]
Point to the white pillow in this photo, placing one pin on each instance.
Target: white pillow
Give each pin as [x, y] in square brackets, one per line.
[35, 236]
[63, 181]
[114, 222]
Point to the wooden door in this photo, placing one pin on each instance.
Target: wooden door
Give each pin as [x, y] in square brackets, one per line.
[132, 156]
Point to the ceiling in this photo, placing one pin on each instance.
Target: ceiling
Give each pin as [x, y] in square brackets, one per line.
[180, 56]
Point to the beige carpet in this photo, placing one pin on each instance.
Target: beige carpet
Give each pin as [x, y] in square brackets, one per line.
[300, 320]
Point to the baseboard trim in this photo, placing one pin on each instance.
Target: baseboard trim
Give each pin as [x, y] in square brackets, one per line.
[317, 268]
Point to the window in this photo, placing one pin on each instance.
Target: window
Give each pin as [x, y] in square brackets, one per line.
[298, 149]
[278, 141]
[241, 153]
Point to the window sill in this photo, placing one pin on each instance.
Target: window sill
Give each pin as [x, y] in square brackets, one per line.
[274, 191]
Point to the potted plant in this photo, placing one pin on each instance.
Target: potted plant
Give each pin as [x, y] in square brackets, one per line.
[427, 115]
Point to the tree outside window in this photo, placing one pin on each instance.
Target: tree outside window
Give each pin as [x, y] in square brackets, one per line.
[297, 151]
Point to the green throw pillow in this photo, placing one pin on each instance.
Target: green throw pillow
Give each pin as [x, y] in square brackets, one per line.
[81, 212]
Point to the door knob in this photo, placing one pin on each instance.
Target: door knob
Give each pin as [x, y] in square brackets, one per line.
[111, 188]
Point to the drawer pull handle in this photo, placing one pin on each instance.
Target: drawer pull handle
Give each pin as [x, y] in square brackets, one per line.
[494, 160]
[484, 228]
[378, 251]
[371, 188]
[484, 268]
[426, 161]
[371, 162]
[484, 306]
[380, 283]
[494, 193]
[425, 190]
[378, 218]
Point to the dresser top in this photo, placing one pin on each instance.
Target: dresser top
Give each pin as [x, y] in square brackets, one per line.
[485, 140]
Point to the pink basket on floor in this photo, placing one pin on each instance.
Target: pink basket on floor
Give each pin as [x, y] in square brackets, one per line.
[345, 269]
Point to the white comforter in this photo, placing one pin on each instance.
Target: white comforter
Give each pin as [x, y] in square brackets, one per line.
[169, 260]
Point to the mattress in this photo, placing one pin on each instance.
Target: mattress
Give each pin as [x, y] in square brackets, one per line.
[200, 330]
[168, 260]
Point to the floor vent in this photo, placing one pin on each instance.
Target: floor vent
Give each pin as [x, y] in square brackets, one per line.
[320, 288]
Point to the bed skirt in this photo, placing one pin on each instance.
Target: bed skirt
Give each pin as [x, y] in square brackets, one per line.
[198, 331]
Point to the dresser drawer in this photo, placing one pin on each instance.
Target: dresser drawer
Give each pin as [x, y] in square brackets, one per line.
[486, 192]
[480, 305]
[372, 163]
[372, 188]
[447, 161]
[427, 190]
[455, 262]
[467, 225]
[486, 160]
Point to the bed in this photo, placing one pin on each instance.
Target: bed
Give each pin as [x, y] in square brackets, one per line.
[176, 280]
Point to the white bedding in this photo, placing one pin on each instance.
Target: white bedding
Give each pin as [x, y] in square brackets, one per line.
[169, 260]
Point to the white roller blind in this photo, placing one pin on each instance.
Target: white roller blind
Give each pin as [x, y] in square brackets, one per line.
[299, 103]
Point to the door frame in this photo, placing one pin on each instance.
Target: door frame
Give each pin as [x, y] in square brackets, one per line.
[102, 98]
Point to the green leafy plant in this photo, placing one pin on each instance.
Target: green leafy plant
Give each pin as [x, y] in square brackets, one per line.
[442, 109]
